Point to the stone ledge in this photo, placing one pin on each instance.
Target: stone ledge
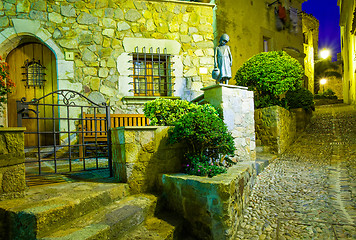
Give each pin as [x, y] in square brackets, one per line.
[140, 100]
[184, 2]
[12, 129]
[224, 85]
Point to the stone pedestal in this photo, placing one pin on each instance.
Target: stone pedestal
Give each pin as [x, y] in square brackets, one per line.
[12, 163]
[238, 109]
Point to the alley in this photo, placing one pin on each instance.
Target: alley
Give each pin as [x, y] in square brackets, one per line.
[309, 192]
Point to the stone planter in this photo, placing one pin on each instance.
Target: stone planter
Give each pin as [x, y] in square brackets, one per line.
[211, 207]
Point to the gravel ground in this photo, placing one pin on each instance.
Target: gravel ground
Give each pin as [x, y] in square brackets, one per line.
[309, 191]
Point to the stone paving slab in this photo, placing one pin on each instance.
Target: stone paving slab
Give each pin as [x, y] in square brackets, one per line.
[313, 182]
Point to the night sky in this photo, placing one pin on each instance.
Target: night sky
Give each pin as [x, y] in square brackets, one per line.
[328, 14]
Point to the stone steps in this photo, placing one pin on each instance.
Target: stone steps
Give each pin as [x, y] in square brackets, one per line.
[46, 208]
[86, 210]
[109, 222]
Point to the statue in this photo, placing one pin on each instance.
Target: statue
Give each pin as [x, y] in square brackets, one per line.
[222, 61]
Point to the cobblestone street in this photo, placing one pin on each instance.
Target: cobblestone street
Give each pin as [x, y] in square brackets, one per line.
[309, 192]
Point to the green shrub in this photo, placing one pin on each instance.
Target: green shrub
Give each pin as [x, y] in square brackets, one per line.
[328, 94]
[269, 75]
[207, 138]
[205, 167]
[300, 98]
[164, 112]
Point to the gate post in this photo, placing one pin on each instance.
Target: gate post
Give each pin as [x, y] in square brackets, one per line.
[108, 121]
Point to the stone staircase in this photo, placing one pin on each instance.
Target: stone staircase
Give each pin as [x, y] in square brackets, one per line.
[85, 210]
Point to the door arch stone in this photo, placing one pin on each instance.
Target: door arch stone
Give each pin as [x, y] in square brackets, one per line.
[21, 30]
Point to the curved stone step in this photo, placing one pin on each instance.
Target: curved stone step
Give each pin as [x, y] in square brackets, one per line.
[109, 222]
[163, 227]
[44, 209]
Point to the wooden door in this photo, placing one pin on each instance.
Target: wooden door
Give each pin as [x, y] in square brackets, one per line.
[16, 59]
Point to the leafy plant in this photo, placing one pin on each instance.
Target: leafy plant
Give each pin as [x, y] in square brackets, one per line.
[328, 94]
[164, 112]
[269, 75]
[204, 168]
[6, 84]
[300, 98]
[207, 138]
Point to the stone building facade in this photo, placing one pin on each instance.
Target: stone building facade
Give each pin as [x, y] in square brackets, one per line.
[254, 27]
[93, 43]
[348, 48]
[310, 42]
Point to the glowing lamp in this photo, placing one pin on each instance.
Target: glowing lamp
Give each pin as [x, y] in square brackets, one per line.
[325, 53]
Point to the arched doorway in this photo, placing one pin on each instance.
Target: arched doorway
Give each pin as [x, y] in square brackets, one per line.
[17, 59]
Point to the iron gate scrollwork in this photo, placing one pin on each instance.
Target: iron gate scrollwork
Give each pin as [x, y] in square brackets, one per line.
[69, 134]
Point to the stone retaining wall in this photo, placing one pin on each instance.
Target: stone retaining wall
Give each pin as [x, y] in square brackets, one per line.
[302, 118]
[275, 128]
[12, 166]
[141, 155]
[211, 207]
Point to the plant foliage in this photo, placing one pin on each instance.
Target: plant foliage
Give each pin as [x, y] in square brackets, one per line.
[6, 84]
[328, 94]
[164, 112]
[300, 98]
[203, 130]
[269, 75]
[207, 138]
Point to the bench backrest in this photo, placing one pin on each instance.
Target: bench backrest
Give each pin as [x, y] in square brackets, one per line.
[96, 124]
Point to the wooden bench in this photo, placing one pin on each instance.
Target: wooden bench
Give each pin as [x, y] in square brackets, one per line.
[93, 129]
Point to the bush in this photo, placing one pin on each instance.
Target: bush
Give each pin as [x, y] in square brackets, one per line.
[164, 112]
[300, 98]
[208, 140]
[328, 94]
[269, 75]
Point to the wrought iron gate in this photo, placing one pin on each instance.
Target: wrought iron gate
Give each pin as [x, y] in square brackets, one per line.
[71, 134]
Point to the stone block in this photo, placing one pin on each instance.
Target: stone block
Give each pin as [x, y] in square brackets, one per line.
[141, 154]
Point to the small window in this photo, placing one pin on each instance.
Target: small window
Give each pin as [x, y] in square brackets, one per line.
[151, 74]
[34, 73]
[266, 44]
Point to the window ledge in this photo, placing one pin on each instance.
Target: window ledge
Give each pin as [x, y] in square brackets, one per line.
[140, 100]
[185, 2]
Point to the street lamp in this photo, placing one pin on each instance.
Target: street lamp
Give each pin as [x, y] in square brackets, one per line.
[325, 53]
[323, 82]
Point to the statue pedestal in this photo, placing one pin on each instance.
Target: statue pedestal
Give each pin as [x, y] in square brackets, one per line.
[238, 109]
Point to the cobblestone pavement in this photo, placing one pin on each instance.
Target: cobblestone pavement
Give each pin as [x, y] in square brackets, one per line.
[309, 191]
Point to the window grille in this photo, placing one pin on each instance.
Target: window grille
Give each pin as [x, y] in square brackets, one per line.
[34, 73]
[152, 73]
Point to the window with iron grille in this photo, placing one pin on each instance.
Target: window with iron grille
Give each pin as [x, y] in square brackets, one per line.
[152, 73]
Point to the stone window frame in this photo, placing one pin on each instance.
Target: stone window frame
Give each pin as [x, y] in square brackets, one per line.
[152, 73]
[124, 68]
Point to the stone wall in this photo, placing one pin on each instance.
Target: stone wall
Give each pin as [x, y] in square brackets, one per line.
[91, 40]
[238, 110]
[12, 163]
[211, 207]
[302, 118]
[141, 155]
[275, 129]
